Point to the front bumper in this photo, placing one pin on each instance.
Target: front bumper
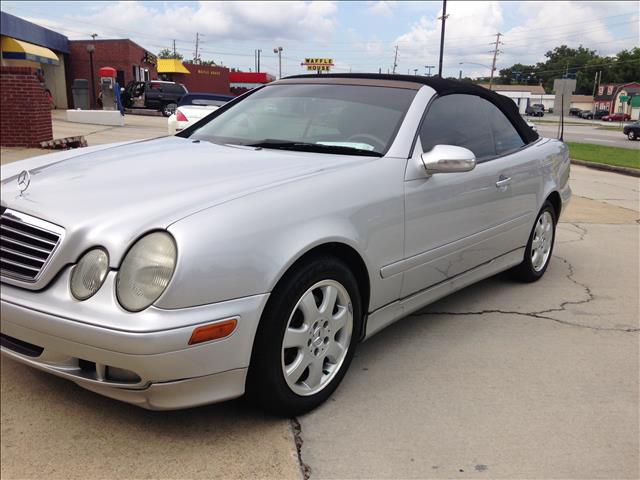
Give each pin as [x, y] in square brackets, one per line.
[153, 369]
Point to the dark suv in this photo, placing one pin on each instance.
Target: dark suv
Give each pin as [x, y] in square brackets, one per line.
[154, 94]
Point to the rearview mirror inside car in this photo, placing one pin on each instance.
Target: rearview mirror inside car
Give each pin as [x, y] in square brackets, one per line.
[448, 159]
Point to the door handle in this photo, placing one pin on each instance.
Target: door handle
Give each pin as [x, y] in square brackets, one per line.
[503, 182]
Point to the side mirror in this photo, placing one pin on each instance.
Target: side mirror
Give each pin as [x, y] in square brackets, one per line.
[448, 159]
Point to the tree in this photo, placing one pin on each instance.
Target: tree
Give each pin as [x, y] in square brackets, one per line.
[166, 53]
[202, 62]
[580, 63]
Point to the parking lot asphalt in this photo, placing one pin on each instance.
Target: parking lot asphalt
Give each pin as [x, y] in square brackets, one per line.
[500, 380]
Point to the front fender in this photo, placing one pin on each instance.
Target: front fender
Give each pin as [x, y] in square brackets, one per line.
[244, 246]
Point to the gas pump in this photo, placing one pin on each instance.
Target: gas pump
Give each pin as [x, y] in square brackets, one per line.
[107, 87]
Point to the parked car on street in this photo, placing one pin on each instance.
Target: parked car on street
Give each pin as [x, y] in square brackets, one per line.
[534, 111]
[255, 249]
[586, 114]
[616, 117]
[575, 111]
[155, 95]
[539, 105]
[632, 130]
[600, 113]
[193, 107]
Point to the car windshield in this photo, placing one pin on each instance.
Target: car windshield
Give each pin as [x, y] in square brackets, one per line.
[343, 119]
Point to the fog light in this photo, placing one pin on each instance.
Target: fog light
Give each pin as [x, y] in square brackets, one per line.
[89, 274]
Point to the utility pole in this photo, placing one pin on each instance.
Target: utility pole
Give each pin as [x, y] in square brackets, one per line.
[444, 19]
[460, 75]
[258, 69]
[395, 60]
[415, 71]
[196, 57]
[495, 55]
[174, 49]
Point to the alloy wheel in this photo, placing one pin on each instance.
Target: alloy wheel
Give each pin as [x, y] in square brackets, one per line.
[317, 337]
[542, 241]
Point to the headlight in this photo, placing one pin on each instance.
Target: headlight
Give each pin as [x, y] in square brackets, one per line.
[146, 271]
[89, 274]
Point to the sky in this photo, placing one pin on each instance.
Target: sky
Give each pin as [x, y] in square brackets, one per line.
[358, 36]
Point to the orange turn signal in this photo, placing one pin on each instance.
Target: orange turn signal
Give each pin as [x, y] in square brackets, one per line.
[214, 331]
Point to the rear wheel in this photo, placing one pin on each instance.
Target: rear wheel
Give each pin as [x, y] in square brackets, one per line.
[540, 246]
[169, 109]
[306, 338]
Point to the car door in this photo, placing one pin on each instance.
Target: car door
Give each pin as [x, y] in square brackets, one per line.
[153, 95]
[457, 221]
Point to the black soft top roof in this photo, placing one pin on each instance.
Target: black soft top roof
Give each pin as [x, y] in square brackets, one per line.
[443, 86]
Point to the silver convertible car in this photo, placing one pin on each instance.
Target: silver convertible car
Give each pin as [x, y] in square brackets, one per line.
[253, 251]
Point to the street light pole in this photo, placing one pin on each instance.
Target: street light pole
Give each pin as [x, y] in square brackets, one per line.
[92, 48]
[278, 50]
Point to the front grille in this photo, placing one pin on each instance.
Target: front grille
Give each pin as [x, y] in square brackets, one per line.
[26, 245]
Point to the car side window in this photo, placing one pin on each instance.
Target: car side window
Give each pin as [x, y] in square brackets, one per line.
[459, 120]
[505, 136]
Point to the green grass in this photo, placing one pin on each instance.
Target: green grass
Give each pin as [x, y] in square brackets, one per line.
[620, 157]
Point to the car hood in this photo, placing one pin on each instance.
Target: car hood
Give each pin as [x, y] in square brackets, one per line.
[153, 183]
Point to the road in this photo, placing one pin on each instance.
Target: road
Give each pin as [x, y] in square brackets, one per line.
[500, 380]
[587, 133]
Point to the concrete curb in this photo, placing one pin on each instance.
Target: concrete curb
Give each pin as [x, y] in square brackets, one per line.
[632, 172]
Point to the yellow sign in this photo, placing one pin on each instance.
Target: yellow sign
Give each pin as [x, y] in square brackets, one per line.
[318, 64]
[319, 68]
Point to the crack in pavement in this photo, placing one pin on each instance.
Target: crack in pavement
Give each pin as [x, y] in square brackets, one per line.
[296, 428]
[582, 231]
[543, 314]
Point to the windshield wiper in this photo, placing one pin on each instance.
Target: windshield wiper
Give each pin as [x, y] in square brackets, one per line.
[314, 147]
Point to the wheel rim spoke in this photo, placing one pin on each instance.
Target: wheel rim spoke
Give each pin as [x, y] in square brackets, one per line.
[315, 374]
[295, 337]
[334, 352]
[339, 320]
[297, 368]
[309, 308]
[329, 297]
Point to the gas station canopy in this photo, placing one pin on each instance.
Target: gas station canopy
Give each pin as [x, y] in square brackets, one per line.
[171, 65]
[13, 49]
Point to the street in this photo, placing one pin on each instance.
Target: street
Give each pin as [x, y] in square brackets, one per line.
[499, 380]
[588, 133]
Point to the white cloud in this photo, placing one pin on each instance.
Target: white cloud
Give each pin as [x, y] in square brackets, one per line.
[229, 21]
[541, 26]
[469, 30]
[381, 8]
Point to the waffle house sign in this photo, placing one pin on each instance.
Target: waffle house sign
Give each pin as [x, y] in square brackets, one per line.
[318, 64]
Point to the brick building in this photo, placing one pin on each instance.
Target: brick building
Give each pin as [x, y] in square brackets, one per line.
[131, 61]
[607, 96]
[197, 78]
[26, 110]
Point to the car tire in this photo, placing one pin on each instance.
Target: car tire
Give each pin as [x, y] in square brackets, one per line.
[305, 343]
[539, 248]
[631, 135]
[168, 109]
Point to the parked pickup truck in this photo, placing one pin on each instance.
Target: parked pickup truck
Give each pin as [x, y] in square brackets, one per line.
[154, 95]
